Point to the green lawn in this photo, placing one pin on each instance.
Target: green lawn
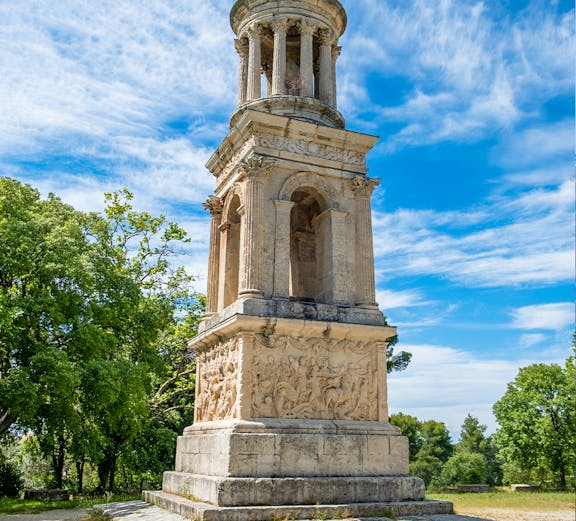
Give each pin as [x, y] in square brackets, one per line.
[527, 501]
[21, 506]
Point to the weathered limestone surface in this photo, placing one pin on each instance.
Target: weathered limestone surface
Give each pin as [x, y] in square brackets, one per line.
[291, 414]
[143, 511]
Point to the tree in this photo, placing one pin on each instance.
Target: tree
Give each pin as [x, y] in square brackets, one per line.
[430, 445]
[463, 467]
[537, 419]
[85, 304]
[398, 361]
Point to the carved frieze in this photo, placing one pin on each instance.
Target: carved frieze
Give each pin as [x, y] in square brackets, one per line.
[217, 384]
[314, 378]
[310, 149]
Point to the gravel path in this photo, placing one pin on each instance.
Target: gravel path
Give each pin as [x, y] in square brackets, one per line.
[502, 514]
[49, 515]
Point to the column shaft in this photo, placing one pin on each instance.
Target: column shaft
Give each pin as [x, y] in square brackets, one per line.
[326, 83]
[214, 205]
[279, 60]
[306, 59]
[335, 54]
[242, 48]
[254, 65]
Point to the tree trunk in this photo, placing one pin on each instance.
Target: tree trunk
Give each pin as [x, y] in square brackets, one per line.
[112, 478]
[58, 456]
[80, 473]
[562, 476]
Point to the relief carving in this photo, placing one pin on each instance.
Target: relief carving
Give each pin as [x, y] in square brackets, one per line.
[314, 378]
[216, 387]
[311, 149]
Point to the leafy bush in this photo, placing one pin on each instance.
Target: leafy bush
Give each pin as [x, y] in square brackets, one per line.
[463, 468]
[10, 480]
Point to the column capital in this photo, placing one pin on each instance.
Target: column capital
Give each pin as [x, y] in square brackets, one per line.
[213, 204]
[336, 50]
[255, 166]
[254, 31]
[326, 37]
[241, 45]
[363, 186]
[279, 25]
[306, 27]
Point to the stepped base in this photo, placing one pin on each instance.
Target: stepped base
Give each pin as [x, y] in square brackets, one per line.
[239, 492]
[205, 512]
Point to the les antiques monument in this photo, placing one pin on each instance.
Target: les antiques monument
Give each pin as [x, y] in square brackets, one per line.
[291, 413]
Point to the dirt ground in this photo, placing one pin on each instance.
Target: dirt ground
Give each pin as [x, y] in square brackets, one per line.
[500, 514]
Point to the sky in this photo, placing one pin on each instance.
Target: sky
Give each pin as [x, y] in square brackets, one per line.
[473, 102]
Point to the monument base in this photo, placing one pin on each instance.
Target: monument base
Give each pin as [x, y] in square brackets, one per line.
[200, 511]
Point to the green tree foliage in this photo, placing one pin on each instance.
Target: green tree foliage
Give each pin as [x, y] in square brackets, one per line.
[396, 361]
[537, 418]
[463, 467]
[430, 445]
[93, 322]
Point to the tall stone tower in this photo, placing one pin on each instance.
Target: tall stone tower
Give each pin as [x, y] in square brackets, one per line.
[291, 403]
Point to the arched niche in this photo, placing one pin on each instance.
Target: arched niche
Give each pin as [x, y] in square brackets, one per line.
[309, 245]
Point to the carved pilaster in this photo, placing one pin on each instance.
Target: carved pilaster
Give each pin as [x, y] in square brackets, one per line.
[214, 206]
[363, 187]
[252, 170]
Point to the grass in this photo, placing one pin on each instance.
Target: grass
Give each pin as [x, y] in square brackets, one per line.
[501, 499]
[26, 506]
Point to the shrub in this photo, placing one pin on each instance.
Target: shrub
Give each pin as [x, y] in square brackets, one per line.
[10, 480]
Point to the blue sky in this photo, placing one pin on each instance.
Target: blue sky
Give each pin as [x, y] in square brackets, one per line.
[473, 102]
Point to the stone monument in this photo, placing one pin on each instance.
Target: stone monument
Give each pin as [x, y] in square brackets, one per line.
[291, 404]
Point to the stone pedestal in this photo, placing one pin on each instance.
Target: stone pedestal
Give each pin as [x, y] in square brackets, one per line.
[290, 413]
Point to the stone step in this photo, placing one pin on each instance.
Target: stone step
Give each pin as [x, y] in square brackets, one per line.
[205, 512]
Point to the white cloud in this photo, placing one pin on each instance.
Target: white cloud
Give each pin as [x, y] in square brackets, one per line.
[446, 383]
[471, 70]
[555, 316]
[511, 239]
[398, 299]
[531, 339]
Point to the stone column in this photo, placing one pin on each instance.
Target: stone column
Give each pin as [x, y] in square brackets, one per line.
[252, 170]
[363, 187]
[279, 27]
[282, 249]
[242, 49]
[214, 206]
[326, 68]
[335, 53]
[254, 64]
[306, 58]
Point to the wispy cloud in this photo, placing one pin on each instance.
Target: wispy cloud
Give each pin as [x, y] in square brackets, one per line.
[446, 383]
[554, 316]
[470, 69]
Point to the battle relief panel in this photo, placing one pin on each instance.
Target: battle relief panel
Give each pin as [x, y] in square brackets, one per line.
[314, 378]
[217, 382]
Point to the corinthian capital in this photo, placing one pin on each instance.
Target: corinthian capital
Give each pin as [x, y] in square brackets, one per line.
[241, 46]
[306, 26]
[279, 25]
[255, 166]
[364, 186]
[213, 204]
